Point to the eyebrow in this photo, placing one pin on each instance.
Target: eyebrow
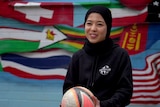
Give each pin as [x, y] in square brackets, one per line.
[96, 21]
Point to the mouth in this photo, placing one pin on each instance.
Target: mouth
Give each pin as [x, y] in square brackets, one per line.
[93, 35]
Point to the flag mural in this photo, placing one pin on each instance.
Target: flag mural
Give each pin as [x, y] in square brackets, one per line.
[38, 38]
[37, 12]
[37, 66]
[146, 82]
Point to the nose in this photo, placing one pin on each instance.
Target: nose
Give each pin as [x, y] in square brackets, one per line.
[93, 27]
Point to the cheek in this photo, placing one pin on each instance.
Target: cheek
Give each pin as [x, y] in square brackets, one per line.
[86, 30]
[103, 31]
[103, 34]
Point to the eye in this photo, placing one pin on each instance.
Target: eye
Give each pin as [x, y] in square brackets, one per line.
[88, 23]
[100, 24]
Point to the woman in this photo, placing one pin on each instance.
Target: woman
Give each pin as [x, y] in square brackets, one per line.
[101, 66]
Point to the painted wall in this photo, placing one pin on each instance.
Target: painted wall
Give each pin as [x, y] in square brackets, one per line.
[38, 38]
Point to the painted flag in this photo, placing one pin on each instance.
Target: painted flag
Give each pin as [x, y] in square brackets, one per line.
[76, 37]
[137, 38]
[135, 4]
[37, 65]
[153, 34]
[19, 40]
[69, 45]
[125, 16]
[146, 82]
[134, 38]
[154, 11]
[41, 13]
[122, 15]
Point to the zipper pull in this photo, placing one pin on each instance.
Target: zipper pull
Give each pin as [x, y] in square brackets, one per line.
[92, 84]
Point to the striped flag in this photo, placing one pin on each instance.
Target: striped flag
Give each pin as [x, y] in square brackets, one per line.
[146, 82]
[19, 40]
[37, 65]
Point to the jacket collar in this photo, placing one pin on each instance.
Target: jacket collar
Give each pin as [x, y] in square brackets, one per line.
[98, 48]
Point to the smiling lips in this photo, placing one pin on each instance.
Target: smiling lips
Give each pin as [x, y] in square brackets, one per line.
[93, 35]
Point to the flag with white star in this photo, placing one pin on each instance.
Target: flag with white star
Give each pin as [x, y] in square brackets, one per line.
[154, 11]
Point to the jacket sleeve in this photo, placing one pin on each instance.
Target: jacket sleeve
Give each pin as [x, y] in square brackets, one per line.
[124, 87]
[72, 75]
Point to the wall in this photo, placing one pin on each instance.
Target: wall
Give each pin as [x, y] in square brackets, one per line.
[37, 40]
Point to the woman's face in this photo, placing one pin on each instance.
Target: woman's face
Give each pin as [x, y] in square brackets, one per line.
[95, 28]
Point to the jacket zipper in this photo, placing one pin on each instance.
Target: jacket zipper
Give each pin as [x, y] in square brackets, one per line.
[94, 71]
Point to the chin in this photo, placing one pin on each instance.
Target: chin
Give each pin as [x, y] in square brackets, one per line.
[93, 41]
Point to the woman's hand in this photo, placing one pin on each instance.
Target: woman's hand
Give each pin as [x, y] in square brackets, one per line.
[96, 101]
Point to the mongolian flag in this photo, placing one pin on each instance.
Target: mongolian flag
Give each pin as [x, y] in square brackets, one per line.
[139, 37]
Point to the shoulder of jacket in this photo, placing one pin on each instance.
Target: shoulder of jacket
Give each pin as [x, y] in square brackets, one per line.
[78, 54]
[120, 49]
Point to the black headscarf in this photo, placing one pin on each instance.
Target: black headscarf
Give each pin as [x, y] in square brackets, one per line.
[105, 13]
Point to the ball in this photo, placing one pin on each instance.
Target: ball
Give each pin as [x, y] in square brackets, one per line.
[78, 97]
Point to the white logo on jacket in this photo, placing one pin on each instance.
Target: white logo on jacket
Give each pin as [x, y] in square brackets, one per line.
[105, 70]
